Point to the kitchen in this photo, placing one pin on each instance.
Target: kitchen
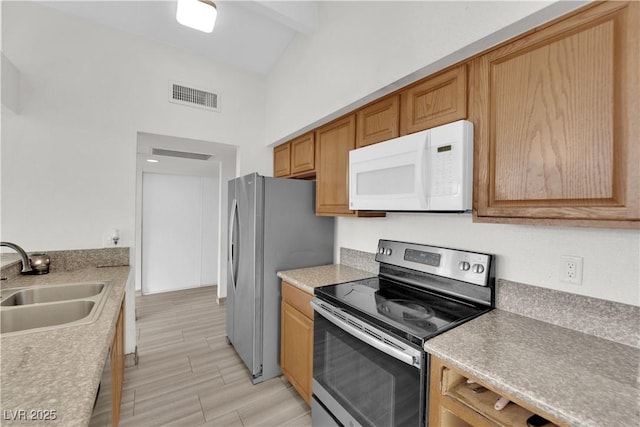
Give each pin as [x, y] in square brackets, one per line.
[95, 137]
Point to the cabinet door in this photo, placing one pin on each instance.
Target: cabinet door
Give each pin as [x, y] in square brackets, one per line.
[117, 366]
[378, 122]
[303, 154]
[435, 101]
[282, 160]
[557, 123]
[296, 359]
[333, 143]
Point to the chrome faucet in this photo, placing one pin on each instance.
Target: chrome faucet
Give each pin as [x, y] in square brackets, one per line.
[26, 263]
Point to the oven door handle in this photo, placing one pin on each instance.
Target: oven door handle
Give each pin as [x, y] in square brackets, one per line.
[396, 353]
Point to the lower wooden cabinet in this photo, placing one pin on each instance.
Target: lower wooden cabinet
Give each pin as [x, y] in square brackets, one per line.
[296, 339]
[453, 403]
[117, 366]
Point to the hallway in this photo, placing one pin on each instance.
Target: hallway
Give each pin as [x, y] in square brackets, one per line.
[189, 376]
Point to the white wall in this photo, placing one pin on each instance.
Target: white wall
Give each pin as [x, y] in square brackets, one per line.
[525, 254]
[10, 86]
[210, 219]
[69, 157]
[361, 47]
[179, 232]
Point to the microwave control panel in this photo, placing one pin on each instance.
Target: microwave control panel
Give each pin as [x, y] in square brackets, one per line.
[444, 177]
[450, 166]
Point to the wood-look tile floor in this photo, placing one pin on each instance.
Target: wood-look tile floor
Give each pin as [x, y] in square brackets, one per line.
[188, 375]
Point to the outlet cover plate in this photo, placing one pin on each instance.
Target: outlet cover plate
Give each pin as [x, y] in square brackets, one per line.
[107, 240]
[571, 269]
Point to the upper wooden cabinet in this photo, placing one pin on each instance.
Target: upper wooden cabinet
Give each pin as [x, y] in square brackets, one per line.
[378, 122]
[282, 160]
[303, 154]
[435, 101]
[557, 122]
[333, 143]
[295, 158]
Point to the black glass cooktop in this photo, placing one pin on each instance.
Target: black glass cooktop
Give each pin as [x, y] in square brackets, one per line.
[400, 309]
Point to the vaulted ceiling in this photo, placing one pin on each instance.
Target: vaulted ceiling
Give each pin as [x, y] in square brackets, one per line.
[250, 35]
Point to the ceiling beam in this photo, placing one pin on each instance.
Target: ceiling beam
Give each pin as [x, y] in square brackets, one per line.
[301, 16]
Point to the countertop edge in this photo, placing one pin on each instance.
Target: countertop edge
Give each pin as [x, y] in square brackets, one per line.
[506, 388]
[79, 350]
[297, 283]
[562, 351]
[309, 278]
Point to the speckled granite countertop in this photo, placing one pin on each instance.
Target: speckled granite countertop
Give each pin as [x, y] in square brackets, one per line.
[59, 369]
[310, 278]
[579, 378]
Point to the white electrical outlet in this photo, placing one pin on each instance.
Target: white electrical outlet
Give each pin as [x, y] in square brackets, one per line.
[571, 269]
[107, 242]
[111, 238]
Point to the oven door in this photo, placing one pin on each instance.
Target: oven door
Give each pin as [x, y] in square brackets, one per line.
[358, 381]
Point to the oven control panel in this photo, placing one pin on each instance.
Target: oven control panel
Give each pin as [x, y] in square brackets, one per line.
[471, 267]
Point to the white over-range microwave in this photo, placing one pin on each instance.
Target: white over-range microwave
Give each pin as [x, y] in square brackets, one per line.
[430, 170]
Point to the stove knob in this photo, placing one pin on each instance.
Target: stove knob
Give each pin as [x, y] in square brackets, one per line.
[464, 265]
[478, 268]
[387, 251]
[380, 250]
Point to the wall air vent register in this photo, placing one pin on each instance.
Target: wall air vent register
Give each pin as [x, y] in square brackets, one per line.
[180, 93]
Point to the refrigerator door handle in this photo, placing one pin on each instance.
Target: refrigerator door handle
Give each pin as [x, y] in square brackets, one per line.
[233, 262]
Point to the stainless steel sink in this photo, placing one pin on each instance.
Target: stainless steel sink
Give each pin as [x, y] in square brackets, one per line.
[53, 293]
[51, 306]
[39, 316]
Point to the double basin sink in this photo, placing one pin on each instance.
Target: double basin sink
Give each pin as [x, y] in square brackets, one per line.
[51, 306]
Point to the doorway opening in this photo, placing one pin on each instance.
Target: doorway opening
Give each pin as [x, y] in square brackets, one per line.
[181, 213]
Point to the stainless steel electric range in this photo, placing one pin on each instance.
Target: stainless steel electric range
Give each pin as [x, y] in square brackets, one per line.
[369, 367]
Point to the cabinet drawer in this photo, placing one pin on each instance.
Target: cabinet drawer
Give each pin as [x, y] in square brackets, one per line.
[298, 299]
[454, 403]
[482, 404]
[452, 420]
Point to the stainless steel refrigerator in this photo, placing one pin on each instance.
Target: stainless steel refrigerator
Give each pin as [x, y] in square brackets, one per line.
[272, 227]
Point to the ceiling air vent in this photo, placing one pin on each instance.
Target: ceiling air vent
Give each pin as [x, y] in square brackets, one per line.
[183, 154]
[193, 97]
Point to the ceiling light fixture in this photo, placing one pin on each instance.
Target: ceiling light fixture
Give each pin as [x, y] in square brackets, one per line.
[197, 14]
[152, 160]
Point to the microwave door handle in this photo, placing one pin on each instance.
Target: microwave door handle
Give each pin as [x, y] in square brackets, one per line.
[348, 181]
[424, 163]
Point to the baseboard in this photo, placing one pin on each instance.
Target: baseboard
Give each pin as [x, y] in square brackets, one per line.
[131, 359]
